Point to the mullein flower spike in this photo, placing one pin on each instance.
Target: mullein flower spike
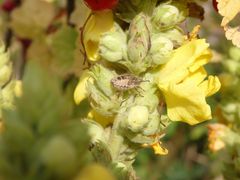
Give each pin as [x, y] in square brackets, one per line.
[170, 67]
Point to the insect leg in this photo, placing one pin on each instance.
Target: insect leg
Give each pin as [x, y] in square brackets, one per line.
[138, 91]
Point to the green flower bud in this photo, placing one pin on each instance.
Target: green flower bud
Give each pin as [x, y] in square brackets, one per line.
[5, 66]
[4, 56]
[7, 87]
[166, 16]
[7, 95]
[176, 35]
[113, 45]
[139, 42]
[102, 79]
[137, 118]
[101, 93]
[95, 131]
[161, 49]
[55, 159]
[154, 124]
[5, 74]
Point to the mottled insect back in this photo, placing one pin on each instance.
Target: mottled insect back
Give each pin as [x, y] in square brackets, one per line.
[126, 82]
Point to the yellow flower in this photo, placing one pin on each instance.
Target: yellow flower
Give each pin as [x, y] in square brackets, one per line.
[216, 133]
[103, 120]
[80, 92]
[98, 23]
[183, 83]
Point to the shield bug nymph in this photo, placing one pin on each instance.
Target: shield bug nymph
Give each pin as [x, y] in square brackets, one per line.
[126, 82]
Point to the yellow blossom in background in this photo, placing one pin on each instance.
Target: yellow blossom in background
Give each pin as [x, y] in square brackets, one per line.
[18, 88]
[216, 133]
[94, 172]
[183, 83]
[98, 23]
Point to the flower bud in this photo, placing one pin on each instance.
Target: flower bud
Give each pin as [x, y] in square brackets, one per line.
[137, 118]
[5, 74]
[95, 131]
[160, 50]
[7, 86]
[139, 42]
[5, 65]
[153, 125]
[176, 35]
[56, 153]
[113, 44]
[102, 97]
[166, 16]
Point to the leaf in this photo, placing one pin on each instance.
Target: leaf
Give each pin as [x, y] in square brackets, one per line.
[63, 45]
[229, 9]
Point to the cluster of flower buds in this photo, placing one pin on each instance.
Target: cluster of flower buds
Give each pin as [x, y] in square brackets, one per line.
[142, 78]
[148, 43]
[8, 86]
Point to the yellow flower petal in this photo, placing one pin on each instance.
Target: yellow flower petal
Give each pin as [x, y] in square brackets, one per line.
[158, 149]
[98, 23]
[186, 59]
[103, 120]
[186, 102]
[211, 86]
[80, 92]
[182, 83]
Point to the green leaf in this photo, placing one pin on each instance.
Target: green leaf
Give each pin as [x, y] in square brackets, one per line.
[63, 48]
